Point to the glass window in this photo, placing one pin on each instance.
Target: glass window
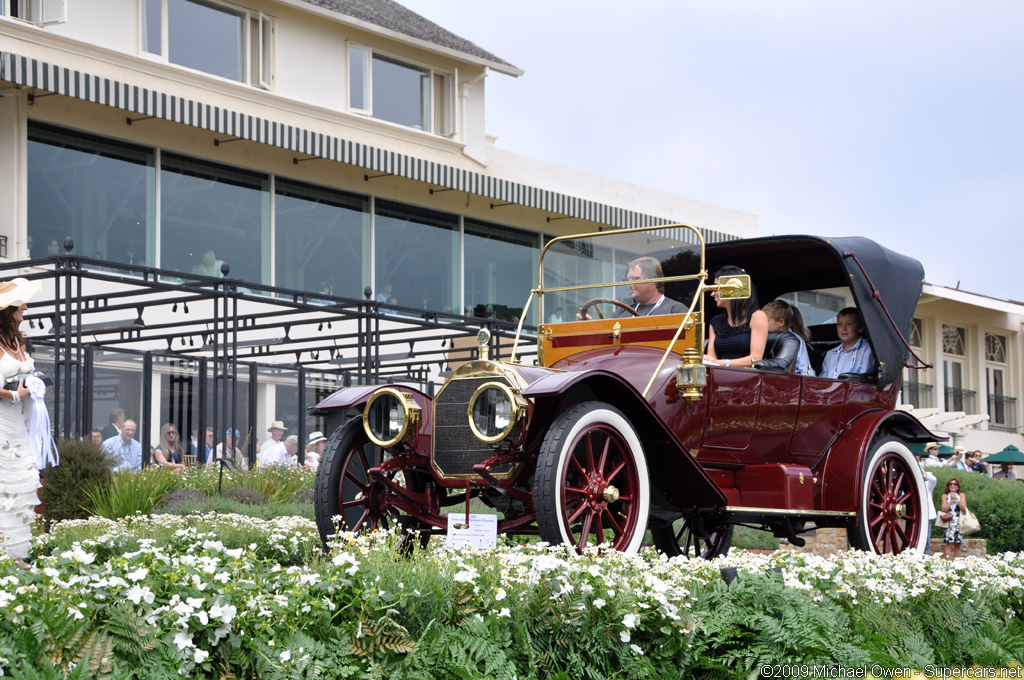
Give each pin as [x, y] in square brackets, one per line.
[501, 268]
[358, 83]
[323, 240]
[206, 37]
[953, 340]
[917, 333]
[417, 257]
[152, 26]
[995, 348]
[98, 191]
[401, 93]
[211, 213]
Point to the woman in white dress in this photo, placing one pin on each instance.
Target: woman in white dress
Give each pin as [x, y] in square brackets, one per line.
[19, 479]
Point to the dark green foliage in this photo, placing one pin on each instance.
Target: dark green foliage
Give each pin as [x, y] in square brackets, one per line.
[998, 504]
[245, 495]
[83, 466]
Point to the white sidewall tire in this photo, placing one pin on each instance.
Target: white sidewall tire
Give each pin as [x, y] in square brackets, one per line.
[893, 446]
[643, 505]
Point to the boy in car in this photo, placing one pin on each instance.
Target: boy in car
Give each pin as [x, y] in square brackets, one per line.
[853, 355]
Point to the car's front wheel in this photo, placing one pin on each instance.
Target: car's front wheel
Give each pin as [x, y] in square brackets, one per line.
[893, 515]
[592, 485]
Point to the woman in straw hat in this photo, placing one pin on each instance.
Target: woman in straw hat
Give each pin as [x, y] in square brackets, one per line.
[19, 478]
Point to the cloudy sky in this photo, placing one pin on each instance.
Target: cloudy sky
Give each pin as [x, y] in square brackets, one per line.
[899, 121]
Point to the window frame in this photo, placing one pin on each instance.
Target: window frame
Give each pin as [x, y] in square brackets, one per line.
[443, 103]
[38, 12]
[259, 39]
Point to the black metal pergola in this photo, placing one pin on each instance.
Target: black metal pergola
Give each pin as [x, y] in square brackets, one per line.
[224, 331]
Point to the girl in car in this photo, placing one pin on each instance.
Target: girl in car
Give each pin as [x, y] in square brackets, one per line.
[783, 316]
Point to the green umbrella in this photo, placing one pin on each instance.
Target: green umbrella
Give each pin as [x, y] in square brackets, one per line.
[945, 451]
[1010, 455]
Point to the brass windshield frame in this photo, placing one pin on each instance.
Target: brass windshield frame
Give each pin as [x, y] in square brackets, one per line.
[697, 303]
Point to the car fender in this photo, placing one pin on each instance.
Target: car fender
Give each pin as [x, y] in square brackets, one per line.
[843, 471]
[337, 405]
[679, 480]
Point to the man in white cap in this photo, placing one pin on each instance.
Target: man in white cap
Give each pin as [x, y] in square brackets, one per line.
[932, 451]
[291, 447]
[273, 451]
[315, 449]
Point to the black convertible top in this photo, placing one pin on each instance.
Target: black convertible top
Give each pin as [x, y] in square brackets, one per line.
[785, 264]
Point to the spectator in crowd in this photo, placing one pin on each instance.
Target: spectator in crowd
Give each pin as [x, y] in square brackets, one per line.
[956, 461]
[974, 463]
[96, 436]
[231, 444]
[557, 316]
[113, 427]
[168, 452]
[930, 482]
[385, 293]
[853, 355]
[126, 449]
[315, 449]
[954, 502]
[931, 450]
[53, 248]
[1005, 473]
[291, 445]
[209, 266]
[273, 451]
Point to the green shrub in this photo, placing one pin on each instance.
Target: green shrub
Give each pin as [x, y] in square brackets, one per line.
[224, 505]
[132, 491]
[245, 495]
[83, 467]
[997, 503]
[276, 483]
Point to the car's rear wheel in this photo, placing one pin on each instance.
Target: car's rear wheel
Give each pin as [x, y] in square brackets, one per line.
[892, 516]
[345, 489]
[592, 485]
[693, 537]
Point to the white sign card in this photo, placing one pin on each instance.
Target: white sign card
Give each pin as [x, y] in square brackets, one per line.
[481, 532]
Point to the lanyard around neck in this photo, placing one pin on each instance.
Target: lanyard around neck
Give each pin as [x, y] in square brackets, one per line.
[656, 305]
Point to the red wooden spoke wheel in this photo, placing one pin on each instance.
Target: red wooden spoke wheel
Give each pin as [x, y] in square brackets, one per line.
[592, 485]
[892, 515]
[344, 488]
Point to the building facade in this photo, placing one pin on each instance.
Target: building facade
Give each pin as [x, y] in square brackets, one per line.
[332, 147]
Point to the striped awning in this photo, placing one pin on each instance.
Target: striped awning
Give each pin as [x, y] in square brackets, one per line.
[147, 102]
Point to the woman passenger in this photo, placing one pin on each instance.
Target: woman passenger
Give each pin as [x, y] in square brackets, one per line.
[737, 336]
[168, 453]
[783, 316]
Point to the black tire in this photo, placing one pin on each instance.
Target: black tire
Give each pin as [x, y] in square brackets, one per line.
[581, 498]
[693, 538]
[892, 515]
[342, 488]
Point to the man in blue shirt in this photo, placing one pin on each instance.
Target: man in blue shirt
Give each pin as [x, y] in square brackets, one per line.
[853, 355]
[127, 451]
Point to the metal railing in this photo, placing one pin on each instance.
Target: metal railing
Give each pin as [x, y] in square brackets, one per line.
[917, 394]
[958, 399]
[1002, 413]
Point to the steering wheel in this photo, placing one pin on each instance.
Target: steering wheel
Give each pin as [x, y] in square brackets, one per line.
[595, 301]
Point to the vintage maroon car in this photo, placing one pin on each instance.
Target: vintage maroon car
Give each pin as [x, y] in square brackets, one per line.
[621, 427]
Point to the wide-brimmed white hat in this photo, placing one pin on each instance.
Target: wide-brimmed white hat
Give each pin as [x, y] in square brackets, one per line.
[931, 445]
[316, 438]
[292, 439]
[277, 425]
[17, 292]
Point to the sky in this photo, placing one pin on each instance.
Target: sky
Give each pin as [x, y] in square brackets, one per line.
[899, 121]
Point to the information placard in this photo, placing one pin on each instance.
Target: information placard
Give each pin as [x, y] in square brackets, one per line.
[480, 532]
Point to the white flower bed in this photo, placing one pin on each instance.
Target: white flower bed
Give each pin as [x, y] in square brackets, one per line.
[196, 594]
